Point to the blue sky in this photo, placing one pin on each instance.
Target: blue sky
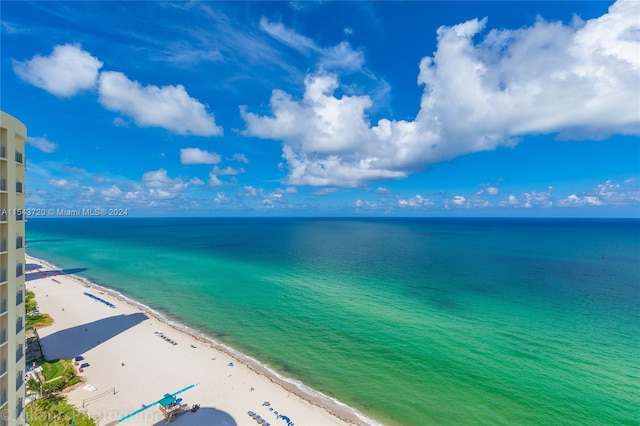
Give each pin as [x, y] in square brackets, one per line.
[328, 108]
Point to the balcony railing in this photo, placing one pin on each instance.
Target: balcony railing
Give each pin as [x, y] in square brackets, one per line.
[19, 352]
[3, 367]
[19, 380]
[19, 187]
[3, 245]
[3, 217]
[19, 242]
[3, 184]
[19, 270]
[3, 275]
[3, 306]
[19, 215]
[3, 336]
[19, 157]
[19, 325]
[3, 397]
[19, 297]
[3, 151]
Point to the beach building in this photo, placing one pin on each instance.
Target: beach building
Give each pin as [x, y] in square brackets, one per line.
[12, 270]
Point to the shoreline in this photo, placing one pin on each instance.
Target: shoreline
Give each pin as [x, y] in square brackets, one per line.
[294, 387]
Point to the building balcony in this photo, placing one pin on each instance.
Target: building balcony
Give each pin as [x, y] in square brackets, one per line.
[19, 297]
[3, 275]
[3, 152]
[3, 367]
[3, 306]
[19, 243]
[19, 352]
[3, 336]
[3, 184]
[19, 270]
[3, 246]
[19, 187]
[19, 157]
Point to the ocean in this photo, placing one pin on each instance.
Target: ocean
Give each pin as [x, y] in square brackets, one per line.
[410, 321]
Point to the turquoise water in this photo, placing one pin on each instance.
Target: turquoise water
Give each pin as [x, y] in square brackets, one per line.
[413, 322]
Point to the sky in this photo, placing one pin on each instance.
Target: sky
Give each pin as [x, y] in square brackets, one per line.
[509, 109]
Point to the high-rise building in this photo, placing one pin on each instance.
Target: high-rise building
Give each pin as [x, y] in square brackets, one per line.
[12, 270]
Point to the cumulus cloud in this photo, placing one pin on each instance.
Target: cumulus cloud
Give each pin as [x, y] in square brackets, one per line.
[67, 71]
[43, 144]
[605, 194]
[416, 201]
[480, 92]
[159, 185]
[221, 198]
[169, 107]
[529, 199]
[198, 156]
[64, 184]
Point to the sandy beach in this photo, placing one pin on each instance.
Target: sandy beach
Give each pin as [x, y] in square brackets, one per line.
[132, 366]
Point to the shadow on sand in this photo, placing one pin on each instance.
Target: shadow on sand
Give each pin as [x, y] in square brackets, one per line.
[33, 274]
[75, 341]
[204, 416]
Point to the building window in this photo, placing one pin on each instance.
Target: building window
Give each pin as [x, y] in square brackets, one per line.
[19, 157]
[19, 352]
[19, 379]
[19, 325]
[19, 187]
[19, 270]
[19, 298]
[19, 408]
[19, 241]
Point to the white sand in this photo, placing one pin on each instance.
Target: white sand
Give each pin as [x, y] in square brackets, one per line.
[109, 337]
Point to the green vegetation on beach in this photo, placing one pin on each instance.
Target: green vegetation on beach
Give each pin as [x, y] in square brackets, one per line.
[34, 318]
[56, 411]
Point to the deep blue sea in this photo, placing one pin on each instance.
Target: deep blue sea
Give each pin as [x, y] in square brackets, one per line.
[411, 321]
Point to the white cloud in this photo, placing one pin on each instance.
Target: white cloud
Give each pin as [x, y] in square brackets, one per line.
[214, 181]
[198, 156]
[605, 194]
[240, 158]
[492, 190]
[325, 191]
[65, 72]
[169, 107]
[416, 201]
[458, 200]
[43, 144]
[341, 56]
[365, 205]
[64, 184]
[221, 198]
[112, 193]
[284, 35]
[160, 186]
[579, 80]
[227, 171]
[529, 199]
